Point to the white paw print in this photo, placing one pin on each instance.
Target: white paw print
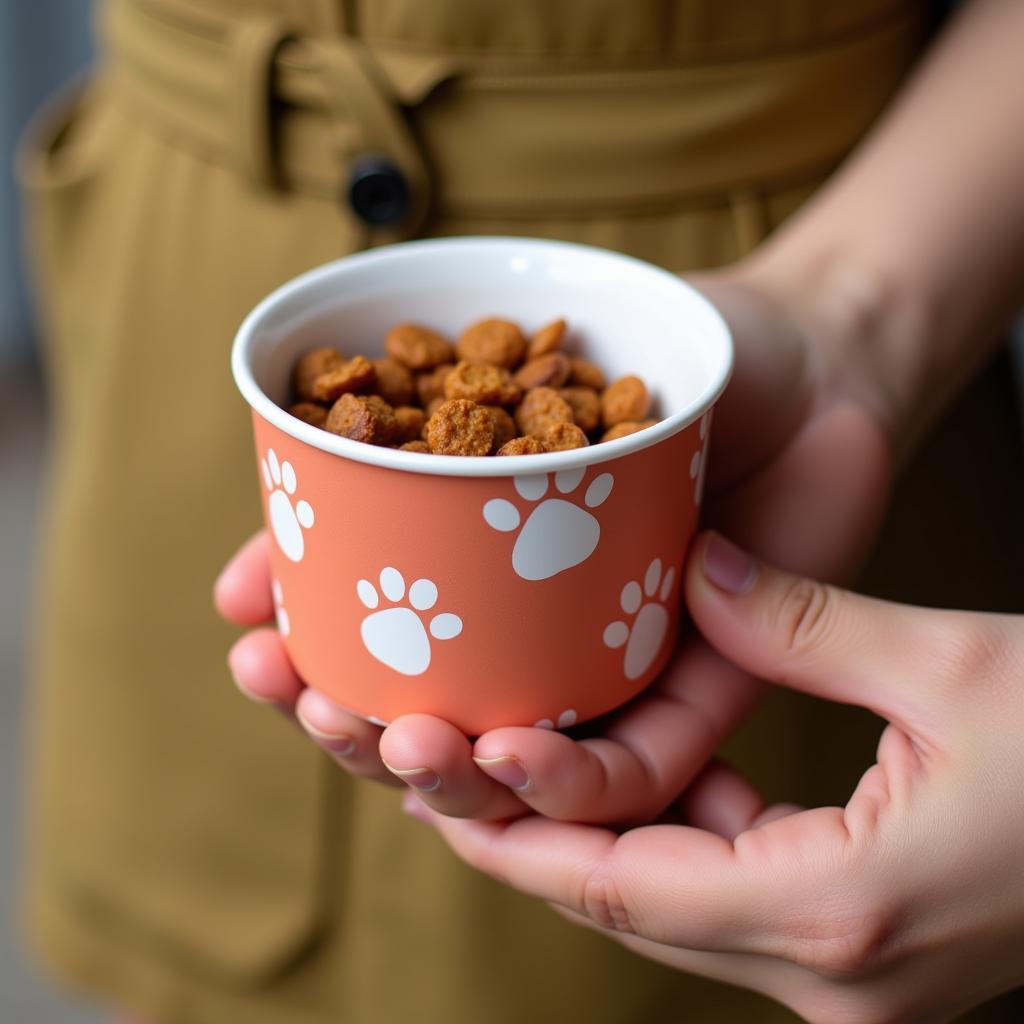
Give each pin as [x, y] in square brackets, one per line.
[397, 636]
[564, 720]
[647, 633]
[558, 534]
[284, 623]
[699, 462]
[286, 522]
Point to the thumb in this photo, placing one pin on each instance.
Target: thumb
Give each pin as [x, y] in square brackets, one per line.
[817, 638]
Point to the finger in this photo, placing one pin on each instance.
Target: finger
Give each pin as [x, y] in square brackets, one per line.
[645, 757]
[261, 669]
[672, 884]
[823, 640]
[242, 592]
[348, 739]
[722, 801]
[435, 758]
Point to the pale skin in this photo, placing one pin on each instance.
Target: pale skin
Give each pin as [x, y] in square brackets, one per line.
[854, 326]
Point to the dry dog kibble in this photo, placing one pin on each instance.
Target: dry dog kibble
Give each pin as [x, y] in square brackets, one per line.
[309, 412]
[430, 385]
[460, 427]
[585, 374]
[418, 347]
[312, 365]
[523, 446]
[394, 381]
[432, 406]
[504, 395]
[625, 428]
[550, 371]
[500, 342]
[625, 399]
[362, 418]
[586, 407]
[504, 426]
[409, 423]
[355, 374]
[560, 437]
[546, 340]
[482, 383]
[540, 408]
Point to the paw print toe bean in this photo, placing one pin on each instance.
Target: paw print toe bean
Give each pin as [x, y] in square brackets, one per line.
[564, 721]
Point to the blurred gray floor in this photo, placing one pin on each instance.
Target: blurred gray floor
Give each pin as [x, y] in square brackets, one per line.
[26, 995]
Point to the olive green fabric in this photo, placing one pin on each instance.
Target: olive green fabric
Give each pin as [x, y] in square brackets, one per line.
[193, 857]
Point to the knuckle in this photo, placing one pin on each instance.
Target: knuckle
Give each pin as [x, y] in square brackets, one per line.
[602, 900]
[807, 615]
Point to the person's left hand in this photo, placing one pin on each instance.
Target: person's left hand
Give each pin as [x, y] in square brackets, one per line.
[907, 904]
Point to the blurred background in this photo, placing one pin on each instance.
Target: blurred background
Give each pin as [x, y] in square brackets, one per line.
[42, 44]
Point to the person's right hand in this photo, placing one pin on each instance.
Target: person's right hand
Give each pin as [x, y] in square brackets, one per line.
[800, 464]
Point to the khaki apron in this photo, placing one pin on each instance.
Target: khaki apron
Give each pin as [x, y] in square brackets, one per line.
[193, 857]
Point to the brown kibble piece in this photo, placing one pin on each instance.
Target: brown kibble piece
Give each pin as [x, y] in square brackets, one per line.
[540, 408]
[312, 365]
[500, 342]
[625, 428]
[460, 427]
[586, 407]
[550, 371]
[523, 446]
[418, 347]
[353, 375]
[546, 340]
[504, 426]
[409, 423]
[416, 446]
[365, 418]
[585, 374]
[560, 437]
[309, 412]
[430, 385]
[625, 399]
[394, 381]
[481, 383]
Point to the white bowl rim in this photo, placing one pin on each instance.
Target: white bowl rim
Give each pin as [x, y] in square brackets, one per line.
[469, 466]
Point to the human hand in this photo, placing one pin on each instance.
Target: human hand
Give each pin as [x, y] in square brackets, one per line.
[799, 472]
[907, 904]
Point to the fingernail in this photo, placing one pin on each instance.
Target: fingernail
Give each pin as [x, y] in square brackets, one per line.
[414, 807]
[506, 770]
[336, 743]
[421, 778]
[728, 567]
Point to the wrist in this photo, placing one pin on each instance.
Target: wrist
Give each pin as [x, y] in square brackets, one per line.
[867, 333]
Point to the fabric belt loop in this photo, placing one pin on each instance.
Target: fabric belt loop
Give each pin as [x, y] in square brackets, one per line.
[253, 46]
[371, 122]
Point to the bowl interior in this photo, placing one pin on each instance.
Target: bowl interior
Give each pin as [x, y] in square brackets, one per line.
[625, 315]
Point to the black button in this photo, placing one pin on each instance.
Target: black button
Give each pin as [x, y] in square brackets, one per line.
[377, 191]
